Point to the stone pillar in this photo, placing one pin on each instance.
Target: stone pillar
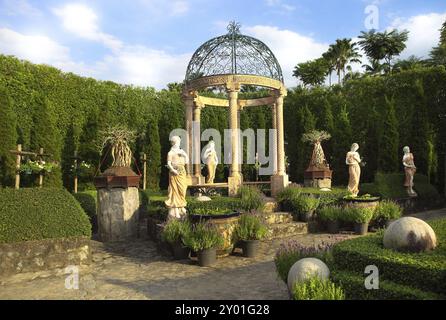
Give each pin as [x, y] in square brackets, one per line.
[274, 127]
[197, 178]
[280, 180]
[189, 103]
[235, 179]
[118, 213]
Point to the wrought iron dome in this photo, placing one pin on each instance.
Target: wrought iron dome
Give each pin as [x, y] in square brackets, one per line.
[233, 53]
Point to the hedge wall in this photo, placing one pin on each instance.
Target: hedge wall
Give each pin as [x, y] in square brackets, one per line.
[34, 214]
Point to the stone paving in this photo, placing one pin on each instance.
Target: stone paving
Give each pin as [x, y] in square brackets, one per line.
[138, 270]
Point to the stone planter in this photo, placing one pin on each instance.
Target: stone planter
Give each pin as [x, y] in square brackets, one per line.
[207, 257]
[46, 254]
[225, 225]
[362, 203]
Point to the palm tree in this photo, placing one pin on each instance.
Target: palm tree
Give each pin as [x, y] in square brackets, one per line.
[410, 63]
[383, 45]
[312, 72]
[330, 60]
[344, 52]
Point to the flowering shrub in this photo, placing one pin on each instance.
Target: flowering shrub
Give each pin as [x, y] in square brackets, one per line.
[291, 251]
[30, 167]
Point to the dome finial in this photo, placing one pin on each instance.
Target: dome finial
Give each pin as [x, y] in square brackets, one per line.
[234, 27]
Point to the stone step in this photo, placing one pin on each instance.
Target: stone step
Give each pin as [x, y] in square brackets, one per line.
[283, 230]
[277, 217]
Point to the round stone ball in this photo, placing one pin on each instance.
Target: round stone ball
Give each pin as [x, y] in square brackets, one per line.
[306, 268]
[410, 234]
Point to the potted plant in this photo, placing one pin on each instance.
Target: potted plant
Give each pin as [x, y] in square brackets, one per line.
[248, 232]
[330, 215]
[174, 233]
[204, 239]
[360, 217]
[305, 206]
[386, 212]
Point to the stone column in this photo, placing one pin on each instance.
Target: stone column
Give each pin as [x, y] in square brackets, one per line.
[274, 127]
[235, 179]
[280, 180]
[189, 102]
[197, 144]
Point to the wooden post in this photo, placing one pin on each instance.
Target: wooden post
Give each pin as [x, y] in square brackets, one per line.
[144, 160]
[75, 171]
[40, 155]
[17, 166]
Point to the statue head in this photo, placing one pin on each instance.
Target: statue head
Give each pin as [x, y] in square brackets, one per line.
[406, 149]
[354, 147]
[211, 145]
[175, 141]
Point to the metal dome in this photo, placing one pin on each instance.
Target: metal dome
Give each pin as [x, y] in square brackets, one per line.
[233, 53]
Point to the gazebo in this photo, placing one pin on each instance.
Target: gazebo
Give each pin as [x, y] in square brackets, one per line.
[231, 61]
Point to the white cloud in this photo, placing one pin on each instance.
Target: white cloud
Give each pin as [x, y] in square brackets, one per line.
[423, 32]
[279, 4]
[83, 22]
[289, 47]
[19, 7]
[163, 8]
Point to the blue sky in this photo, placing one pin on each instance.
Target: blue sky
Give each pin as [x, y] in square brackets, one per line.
[149, 42]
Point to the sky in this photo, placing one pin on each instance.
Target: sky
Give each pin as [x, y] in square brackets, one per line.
[150, 42]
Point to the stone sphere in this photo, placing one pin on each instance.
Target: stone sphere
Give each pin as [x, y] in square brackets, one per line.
[306, 268]
[409, 234]
[203, 199]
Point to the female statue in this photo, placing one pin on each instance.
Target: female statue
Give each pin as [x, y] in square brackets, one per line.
[353, 160]
[211, 160]
[176, 198]
[409, 169]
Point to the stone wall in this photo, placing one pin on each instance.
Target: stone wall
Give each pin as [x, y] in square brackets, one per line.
[31, 256]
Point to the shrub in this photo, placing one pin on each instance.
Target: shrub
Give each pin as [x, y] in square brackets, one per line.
[286, 195]
[203, 236]
[357, 215]
[88, 202]
[426, 270]
[315, 288]
[330, 213]
[176, 231]
[250, 227]
[304, 204]
[251, 198]
[353, 285]
[217, 204]
[35, 214]
[387, 210]
[291, 251]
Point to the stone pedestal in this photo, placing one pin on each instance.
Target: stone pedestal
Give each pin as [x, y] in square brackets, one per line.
[278, 183]
[118, 213]
[318, 183]
[234, 184]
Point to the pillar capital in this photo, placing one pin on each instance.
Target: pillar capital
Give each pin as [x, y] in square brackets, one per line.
[233, 87]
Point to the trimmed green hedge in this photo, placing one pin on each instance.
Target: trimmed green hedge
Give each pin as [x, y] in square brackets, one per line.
[235, 204]
[353, 285]
[88, 202]
[35, 214]
[426, 271]
[390, 186]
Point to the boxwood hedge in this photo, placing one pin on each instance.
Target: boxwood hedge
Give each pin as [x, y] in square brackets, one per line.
[88, 202]
[35, 214]
[426, 271]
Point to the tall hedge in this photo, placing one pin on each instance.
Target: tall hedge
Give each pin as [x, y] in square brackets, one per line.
[8, 138]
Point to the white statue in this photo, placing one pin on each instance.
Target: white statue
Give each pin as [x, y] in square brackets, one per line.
[176, 161]
[211, 160]
[353, 160]
[409, 169]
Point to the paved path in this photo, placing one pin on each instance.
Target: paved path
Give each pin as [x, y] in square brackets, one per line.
[137, 270]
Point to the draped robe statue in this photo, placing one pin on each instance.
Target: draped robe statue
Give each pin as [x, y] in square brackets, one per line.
[176, 198]
[353, 160]
[409, 170]
[211, 160]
